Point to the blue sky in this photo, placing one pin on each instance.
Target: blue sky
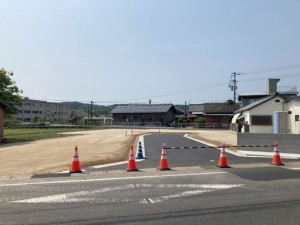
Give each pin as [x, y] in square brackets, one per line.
[117, 51]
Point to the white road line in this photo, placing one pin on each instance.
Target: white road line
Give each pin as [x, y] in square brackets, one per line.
[71, 197]
[87, 196]
[110, 179]
[268, 154]
[294, 168]
[114, 164]
[204, 189]
[211, 145]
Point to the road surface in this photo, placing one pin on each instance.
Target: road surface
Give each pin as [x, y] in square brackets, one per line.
[195, 191]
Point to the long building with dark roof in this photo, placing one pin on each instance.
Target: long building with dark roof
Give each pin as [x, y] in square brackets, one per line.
[163, 114]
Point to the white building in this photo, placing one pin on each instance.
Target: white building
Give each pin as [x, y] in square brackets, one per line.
[43, 111]
[293, 108]
[272, 114]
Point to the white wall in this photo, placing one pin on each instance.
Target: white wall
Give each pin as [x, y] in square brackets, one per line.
[294, 107]
[268, 108]
[265, 109]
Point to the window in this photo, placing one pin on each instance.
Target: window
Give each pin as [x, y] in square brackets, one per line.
[261, 120]
[296, 117]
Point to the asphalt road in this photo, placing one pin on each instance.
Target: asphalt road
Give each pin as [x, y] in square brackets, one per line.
[195, 192]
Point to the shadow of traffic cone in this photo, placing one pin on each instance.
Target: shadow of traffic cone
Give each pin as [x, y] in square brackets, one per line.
[276, 157]
[131, 161]
[140, 152]
[223, 160]
[163, 164]
[75, 165]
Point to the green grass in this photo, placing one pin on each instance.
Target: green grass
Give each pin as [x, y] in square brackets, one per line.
[15, 135]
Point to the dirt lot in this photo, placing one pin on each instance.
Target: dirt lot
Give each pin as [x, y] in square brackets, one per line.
[95, 147]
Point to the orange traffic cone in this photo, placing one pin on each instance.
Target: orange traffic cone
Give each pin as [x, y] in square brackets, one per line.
[75, 165]
[163, 165]
[223, 160]
[131, 162]
[276, 157]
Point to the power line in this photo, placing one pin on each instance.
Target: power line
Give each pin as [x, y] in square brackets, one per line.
[280, 76]
[179, 92]
[232, 85]
[127, 101]
[271, 69]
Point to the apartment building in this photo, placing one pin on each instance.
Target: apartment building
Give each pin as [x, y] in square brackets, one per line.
[43, 111]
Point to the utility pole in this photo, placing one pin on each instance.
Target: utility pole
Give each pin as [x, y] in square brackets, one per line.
[233, 86]
[92, 110]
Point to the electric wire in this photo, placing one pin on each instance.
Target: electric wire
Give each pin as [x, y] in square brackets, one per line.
[271, 69]
[128, 101]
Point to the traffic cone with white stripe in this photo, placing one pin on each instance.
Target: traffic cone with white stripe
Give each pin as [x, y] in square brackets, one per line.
[75, 165]
[163, 165]
[140, 152]
[131, 161]
[223, 160]
[276, 157]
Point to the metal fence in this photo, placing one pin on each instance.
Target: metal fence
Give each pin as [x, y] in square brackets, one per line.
[136, 124]
[97, 124]
[203, 125]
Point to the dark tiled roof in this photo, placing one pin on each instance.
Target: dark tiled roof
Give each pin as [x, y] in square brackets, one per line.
[211, 108]
[219, 109]
[140, 108]
[196, 108]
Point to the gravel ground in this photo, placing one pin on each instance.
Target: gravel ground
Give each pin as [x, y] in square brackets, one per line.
[94, 147]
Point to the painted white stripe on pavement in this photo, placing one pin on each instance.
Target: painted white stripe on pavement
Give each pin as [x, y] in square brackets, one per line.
[268, 154]
[114, 164]
[111, 179]
[205, 188]
[71, 197]
[211, 145]
[87, 196]
[178, 195]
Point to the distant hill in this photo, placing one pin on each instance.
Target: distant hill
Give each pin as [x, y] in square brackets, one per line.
[97, 109]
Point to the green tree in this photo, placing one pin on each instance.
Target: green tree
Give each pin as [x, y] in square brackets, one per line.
[182, 122]
[9, 92]
[230, 102]
[200, 122]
